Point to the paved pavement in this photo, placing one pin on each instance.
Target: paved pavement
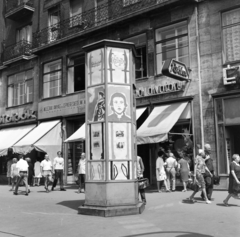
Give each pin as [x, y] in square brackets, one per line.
[54, 214]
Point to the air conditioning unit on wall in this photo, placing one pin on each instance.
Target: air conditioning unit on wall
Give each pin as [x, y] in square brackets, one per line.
[230, 75]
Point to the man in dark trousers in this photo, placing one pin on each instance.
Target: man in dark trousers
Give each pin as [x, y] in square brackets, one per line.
[207, 177]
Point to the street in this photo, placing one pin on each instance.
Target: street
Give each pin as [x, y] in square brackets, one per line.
[166, 214]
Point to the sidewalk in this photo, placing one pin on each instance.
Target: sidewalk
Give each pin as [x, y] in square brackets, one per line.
[166, 215]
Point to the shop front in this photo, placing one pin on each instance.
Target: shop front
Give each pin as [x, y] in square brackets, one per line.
[165, 124]
[70, 111]
[227, 118]
[14, 125]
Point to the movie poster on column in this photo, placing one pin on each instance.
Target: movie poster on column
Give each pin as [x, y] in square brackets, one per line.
[118, 65]
[119, 103]
[96, 104]
[95, 62]
[119, 135]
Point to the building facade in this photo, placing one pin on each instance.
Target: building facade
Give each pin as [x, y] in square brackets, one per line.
[43, 74]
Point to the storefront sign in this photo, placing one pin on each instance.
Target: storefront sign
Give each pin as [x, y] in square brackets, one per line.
[160, 89]
[175, 69]
[69, 105]
[16, 117]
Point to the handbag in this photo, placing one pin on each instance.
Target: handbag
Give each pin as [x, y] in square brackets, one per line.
[216, 180]
[143, 183]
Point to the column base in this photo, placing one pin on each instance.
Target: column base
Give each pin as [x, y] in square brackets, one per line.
[111, 211]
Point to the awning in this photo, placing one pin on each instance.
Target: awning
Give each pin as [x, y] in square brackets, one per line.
[79, 135]
[10, 136]
[139, 112]
[161, 120]
[43, 138]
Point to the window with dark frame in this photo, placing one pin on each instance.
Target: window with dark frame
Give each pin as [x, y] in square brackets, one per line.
[76, 74]
[141, 59]
[52, 79]
[20, 88]
[172, 43]
[231, 35]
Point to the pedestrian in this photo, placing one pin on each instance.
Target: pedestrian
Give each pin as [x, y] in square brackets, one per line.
[9, 163]
[22, 167]
[58, 167]
[140, 170]
[184, 170]
[199, 170]
[207, 177]
[82, 173]
[37, 173]
[171, 165]
[234, 179]
[14, 173]
[30, 172]
[46, 171]
[160, 172]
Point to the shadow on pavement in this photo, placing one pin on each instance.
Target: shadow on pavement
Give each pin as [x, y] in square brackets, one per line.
[177, 234]
[74, 204]
[229, 205]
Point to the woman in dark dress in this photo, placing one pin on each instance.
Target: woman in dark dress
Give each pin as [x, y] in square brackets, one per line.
[184, 172]
[234, 179]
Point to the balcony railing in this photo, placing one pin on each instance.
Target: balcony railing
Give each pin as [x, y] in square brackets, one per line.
[22, 48]
[14, 4]
[95, 17]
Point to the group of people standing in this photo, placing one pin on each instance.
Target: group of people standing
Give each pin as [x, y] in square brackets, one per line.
[166, 172]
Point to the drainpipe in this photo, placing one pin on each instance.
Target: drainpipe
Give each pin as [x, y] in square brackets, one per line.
[199, 76]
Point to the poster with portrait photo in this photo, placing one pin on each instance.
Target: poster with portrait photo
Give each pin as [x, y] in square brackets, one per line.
[95, 63]
[118, 65]
[120, 138]
[96, 141]
[96, 104]
[119, 107]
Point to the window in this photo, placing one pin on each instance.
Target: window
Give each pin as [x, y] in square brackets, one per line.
[141, 60]
[231, 35]
[24, 34]
[129, 2]
[172, 42]
[20, 88]
[53, 22]
[101, 12]
[76, 7]
[76, 74]
[52, 79]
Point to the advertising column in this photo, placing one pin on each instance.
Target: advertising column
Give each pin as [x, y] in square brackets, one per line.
[111, 186]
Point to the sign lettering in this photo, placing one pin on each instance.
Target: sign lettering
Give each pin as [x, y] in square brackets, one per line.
[15, 117]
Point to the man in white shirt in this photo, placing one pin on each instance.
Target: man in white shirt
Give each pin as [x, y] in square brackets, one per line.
[46, 171]
[58, 167]
[82, 173]
[171, 165]
[22, 167]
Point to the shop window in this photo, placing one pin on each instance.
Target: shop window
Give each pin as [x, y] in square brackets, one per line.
[53, 22]
[20, 88]
[141, 60]
[76, 7]
[76, 74]
[231, 35]
[172, 42]
[52, 79]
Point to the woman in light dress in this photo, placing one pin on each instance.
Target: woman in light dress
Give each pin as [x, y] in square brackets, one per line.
[37, 173]
[160, 173]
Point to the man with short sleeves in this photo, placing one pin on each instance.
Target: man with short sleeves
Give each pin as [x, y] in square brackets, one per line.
[58, 167]
[46, 171]
[82, 173]
[22, 167]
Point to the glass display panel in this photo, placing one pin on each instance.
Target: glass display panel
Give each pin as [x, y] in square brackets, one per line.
[95, 61]
[120, 140]
[96, 104]
[118, 65]
[120, 170]
[96, 171]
